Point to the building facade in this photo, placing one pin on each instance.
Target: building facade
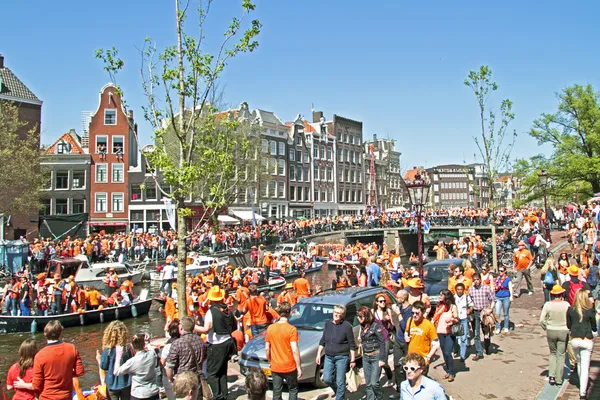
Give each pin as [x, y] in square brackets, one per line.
[113, 150]
[29, 106]
[66, 168]
[388, 189]
[321, 144]
[348, 168]
[300, 188]
[459, 186]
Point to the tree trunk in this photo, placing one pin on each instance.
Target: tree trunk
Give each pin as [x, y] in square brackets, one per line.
[181, 257]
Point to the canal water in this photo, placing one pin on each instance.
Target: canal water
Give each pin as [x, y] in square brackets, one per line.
[88, 339]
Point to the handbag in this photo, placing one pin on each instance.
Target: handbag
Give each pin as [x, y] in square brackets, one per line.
[353, 380]
[457, 329]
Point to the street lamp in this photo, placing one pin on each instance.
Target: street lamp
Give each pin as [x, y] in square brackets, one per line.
[418, 192]
[543, 176]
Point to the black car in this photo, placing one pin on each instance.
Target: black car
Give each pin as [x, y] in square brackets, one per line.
[435, 277]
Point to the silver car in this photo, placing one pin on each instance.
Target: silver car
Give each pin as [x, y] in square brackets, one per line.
[309, 317]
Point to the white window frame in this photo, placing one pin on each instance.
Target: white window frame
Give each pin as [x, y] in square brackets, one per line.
[281, 190]
[72, 205]
[84, 180]
[96, 173]
[96, 143]
[112, 202]
[105, 202]
[273, 147]
[112, 143]
[281, 149]
[110, 109]
[112, 175]
[56, 203]
[281, 167]
[68, 180]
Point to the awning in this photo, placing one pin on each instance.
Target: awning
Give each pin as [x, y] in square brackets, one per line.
[246, 215]
[108, 223]
[227, 220]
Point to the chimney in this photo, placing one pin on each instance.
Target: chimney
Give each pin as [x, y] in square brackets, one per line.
[374, 137]
[317, 115]
[1, 61]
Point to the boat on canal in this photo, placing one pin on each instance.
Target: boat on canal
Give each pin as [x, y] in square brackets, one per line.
[316, 266]
[194, 264]
[36, 323]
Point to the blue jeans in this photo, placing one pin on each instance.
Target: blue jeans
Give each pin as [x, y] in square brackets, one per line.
[477, 332]
[464, 339]
[336, 365]
[447, 342]
[503, 304]
[15, 307]
[372, 371]
[25, 308]
[256, 329]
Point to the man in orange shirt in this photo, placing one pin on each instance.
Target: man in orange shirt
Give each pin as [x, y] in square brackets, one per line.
[287, 295]
[459, 277]
[257, 307]
[281, 348]
[302, 286]
[522, 261]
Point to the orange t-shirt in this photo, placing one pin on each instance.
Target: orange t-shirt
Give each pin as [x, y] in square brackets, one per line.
[241, 296]
[93, 297]
[522, 258]
[257, 307]
[302, 287]
[421, 336]
[469, 272]
[279, 336]
[453, 281]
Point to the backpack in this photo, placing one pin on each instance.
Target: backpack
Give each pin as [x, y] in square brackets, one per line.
[573, 289]
[592, 278]
[531, 239]
[549, 278]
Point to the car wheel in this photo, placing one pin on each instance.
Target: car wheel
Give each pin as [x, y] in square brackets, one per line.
[318, 383]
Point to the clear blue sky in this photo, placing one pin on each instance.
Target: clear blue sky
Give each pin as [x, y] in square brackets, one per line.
[396, 65]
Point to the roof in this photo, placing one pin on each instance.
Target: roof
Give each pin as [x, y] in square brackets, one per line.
[268, 117]
[410, 174]
[342, 296]
[308, 127]
[13, 88]
[71, 138]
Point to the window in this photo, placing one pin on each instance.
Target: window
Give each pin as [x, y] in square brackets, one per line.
[323, 172]
[352, 177]
[316, 195]
[152, 215]
[298, 140]
[316, 152]
[273, 166]
[62, 180]
[316, 173]
[353, 196]
[299, 188]
[118, 144]
[281, 190]
[307, 194]
[47, 182]
[341, 175]
[306, 156]
[341, 196]
[292, 173]
[272, 188]
[136, 193]
[346, 155]
[329, 174]
[298, 156]
[101, 144]
[117, 202]
[273, 147]
[292, 155]
[323, 195]
[78, 179]
[63, 147]
[61, 206]
[352, 156]
[347, 195]
[323, 152]
[281, 167]
[151, 192]
[264, 188]
[346, 175]
[292, 193]
[351, 139]
[101, 173]
[330, 195]
[110, 117]
[299, 174]
[345, 137]
[339, 155]
[101, 202]
[306, 174]
[137, 215]
[281, 148]
[78, 206]
[46, 207]
[117, 173]
[329, 151]
[265, 146]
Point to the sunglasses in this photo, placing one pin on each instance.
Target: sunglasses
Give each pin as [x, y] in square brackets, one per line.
[411, 369]
[416, 313]
[381, 301]
[502, 270]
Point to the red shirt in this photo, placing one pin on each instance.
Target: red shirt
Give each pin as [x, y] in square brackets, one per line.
[54, 367]
[11, 378]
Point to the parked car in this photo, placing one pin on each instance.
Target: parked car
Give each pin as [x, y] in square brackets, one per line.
[435, 277]
[309, 317]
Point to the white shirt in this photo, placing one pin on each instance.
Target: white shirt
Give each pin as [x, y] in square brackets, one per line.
[463, 303]
[211, 336]
[169, 272]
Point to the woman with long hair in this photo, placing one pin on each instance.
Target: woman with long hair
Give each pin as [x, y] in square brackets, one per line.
[581, 321]
[20, 374]
[572, 236]
[115, 348]
[446, 314]
[142, 368]
[563, 265]
[549, 277]
[374, 353]
[382, 314]
[554, 321]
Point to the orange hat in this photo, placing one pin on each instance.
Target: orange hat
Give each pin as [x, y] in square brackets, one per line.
[216, 294]
[556, 290]
[573, 270]
[416, 283]
[289, 285]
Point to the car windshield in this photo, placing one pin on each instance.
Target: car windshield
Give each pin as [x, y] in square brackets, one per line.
[435, 273]
[310, 316]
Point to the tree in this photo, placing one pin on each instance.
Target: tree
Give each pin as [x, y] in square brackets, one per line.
[20, 179]
[573, 131]
[197, 150]
[495, 142]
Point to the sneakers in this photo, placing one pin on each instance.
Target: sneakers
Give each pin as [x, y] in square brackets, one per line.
[505, 330]
[530, 293]
[497, 331]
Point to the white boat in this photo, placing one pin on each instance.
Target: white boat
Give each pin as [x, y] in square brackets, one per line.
[198, 264]
[92, 275]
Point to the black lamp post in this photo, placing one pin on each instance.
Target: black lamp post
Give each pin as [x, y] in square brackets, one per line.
[418, 191]
[543, 176]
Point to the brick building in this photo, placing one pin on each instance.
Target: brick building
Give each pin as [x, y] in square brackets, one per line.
[113, 150]
[300, 196]
[13, 90]
[388, 180]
